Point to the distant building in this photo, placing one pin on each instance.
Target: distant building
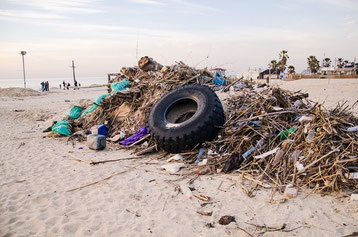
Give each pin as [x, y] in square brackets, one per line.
[273, 74]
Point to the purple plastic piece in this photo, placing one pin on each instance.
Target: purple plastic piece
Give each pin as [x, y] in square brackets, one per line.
[132, 139]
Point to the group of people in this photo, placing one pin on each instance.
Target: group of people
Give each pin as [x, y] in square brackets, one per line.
[45, 86]
[66, 85]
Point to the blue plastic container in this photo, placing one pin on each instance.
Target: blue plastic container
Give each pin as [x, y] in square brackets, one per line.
[103, 130]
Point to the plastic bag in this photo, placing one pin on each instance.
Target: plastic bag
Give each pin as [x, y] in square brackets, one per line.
[119, 86]
[89, 110]
[99, 99]
[219, 79]
[75, 112]
[62, 127]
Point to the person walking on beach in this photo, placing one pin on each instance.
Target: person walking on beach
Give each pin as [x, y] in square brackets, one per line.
[64, 84]
[68, 85]
[60, 86]
[75, 85]
[42, 86]
[47, 86]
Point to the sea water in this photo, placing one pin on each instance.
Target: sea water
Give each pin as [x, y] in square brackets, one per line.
[35, 83]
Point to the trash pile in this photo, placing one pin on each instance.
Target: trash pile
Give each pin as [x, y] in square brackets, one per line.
[284, 138]
[128, 110]
[270, 135]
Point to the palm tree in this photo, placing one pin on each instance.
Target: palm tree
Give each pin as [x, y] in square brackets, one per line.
[340, 62]
[273, 65]
[326, 62]
[291, 69]
[313, 64]
[283, 60]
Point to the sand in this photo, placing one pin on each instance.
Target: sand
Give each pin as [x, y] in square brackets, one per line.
[329, 92]
[18, 92]
[37, 173]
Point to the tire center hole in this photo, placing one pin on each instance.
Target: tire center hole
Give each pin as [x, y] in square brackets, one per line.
[181, 110]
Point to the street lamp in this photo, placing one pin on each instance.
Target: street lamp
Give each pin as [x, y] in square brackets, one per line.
[23, 53]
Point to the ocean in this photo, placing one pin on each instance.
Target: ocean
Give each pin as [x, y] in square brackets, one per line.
[34, 83]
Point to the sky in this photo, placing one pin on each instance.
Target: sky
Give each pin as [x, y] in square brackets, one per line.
[104, 35]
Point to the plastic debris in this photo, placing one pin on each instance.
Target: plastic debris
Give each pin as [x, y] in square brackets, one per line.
[295, 155]
[353, 175]
[354, 197]
[103, 130]
[310, 135]
[99, 100]
[141, 133]
[299, 166]
[62, 127]
[200, 155]
[266, 154]
[75, 112]
[176, 157]
[291, 191]
[253, 149]
[119, 86]
[352, 129]
[285, 134]
[239, 85]
[219, 79]
[203, 162]
[89, 110]
[304, 118]
[297, 104]
[173, 167]
[276, 108]
[96, 142]
[278, 157]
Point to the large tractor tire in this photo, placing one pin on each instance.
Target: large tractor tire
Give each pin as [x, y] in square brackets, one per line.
[186, 117]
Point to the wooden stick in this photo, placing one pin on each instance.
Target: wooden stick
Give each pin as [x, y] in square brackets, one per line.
[120, 159]
[316, 161]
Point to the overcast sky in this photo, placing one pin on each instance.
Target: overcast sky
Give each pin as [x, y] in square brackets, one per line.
[102, 36]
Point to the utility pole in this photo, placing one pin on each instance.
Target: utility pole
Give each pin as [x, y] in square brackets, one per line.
[73, 70]
[23, 53]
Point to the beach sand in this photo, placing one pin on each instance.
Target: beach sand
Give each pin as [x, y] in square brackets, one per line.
[37, 175]
[329, 92]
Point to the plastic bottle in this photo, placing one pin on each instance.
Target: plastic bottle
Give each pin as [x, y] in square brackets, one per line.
[102, 130]
[258, 146]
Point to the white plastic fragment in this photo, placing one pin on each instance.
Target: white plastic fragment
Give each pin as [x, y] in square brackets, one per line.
[296, 154]
[310, 135]
[353, 175]
[266, 154]
[173, 168]
[276, 108]
[304, 118]
[354, 197]
[203, 162]
[299, 166]
[175, 158]
[211, 152]
[291, 191]
[297, 104]
[353, 129]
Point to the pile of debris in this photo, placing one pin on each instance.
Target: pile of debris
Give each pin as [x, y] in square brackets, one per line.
[270, 135]
[128, 110]
[284, 138]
